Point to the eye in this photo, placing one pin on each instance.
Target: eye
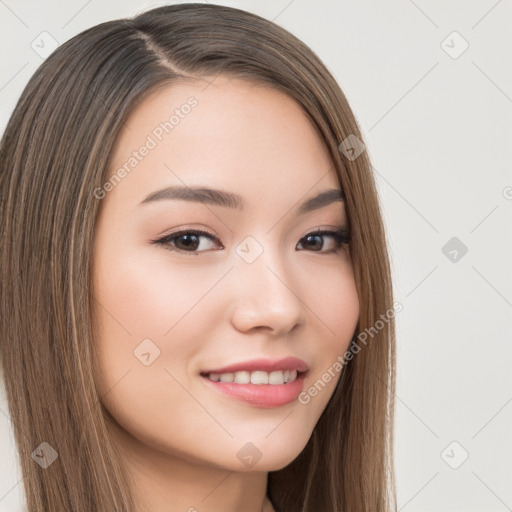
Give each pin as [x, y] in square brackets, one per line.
[189, 241]
[339, 239]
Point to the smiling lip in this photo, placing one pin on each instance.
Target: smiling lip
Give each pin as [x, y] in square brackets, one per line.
[261, 395]
[265, 365]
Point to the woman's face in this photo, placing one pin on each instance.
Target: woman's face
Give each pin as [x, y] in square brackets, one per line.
[253, 286]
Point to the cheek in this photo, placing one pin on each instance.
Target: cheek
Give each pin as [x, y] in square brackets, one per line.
[152, 323]
[148, 297]
[337, 308]
[337, 311]
[154, 307]
[346, 316]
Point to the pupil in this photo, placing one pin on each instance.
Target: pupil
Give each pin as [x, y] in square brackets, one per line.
[317, 239]
[191, 243]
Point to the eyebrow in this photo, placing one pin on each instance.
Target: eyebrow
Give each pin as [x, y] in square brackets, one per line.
[226, 199]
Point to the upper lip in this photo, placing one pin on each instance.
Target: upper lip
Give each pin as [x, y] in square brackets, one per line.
[266, 365]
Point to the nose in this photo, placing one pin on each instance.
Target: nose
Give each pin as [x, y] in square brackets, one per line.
[267, 296]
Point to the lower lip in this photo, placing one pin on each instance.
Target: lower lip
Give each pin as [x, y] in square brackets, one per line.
[261, 395]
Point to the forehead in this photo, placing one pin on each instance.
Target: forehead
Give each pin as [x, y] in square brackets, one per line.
[226, 132]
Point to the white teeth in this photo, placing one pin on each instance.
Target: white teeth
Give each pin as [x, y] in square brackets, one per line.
[242, 378]
[292, 376]
[257, 377]
[276, 377]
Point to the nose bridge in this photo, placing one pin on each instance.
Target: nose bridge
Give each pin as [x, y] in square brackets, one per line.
[265, 283]
[262, 259]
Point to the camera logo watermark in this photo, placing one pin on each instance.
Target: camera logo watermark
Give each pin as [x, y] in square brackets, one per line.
[44, 44]
[249, 249]
[454, 45]
[351, 147]
[45, 455]
[454, 249]
[146, 352]
[249, 454]
[455, 455]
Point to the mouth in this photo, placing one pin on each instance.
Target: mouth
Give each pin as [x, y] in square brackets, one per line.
[262, 383]
[257, 377]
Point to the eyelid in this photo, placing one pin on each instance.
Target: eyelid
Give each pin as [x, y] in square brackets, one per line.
[203, 230]
[344, 228]
[341, 234]
[185, 229]
[339, 230]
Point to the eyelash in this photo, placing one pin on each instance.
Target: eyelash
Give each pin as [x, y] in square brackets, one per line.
[341, 236]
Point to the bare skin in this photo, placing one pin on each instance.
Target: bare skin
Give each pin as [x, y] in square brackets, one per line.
[205, 306]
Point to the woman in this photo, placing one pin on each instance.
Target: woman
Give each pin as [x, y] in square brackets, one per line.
[193, 257]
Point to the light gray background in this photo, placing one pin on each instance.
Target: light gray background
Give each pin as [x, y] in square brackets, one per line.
[438, 130]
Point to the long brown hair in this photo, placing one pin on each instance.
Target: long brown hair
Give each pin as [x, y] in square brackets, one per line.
[56, 151]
